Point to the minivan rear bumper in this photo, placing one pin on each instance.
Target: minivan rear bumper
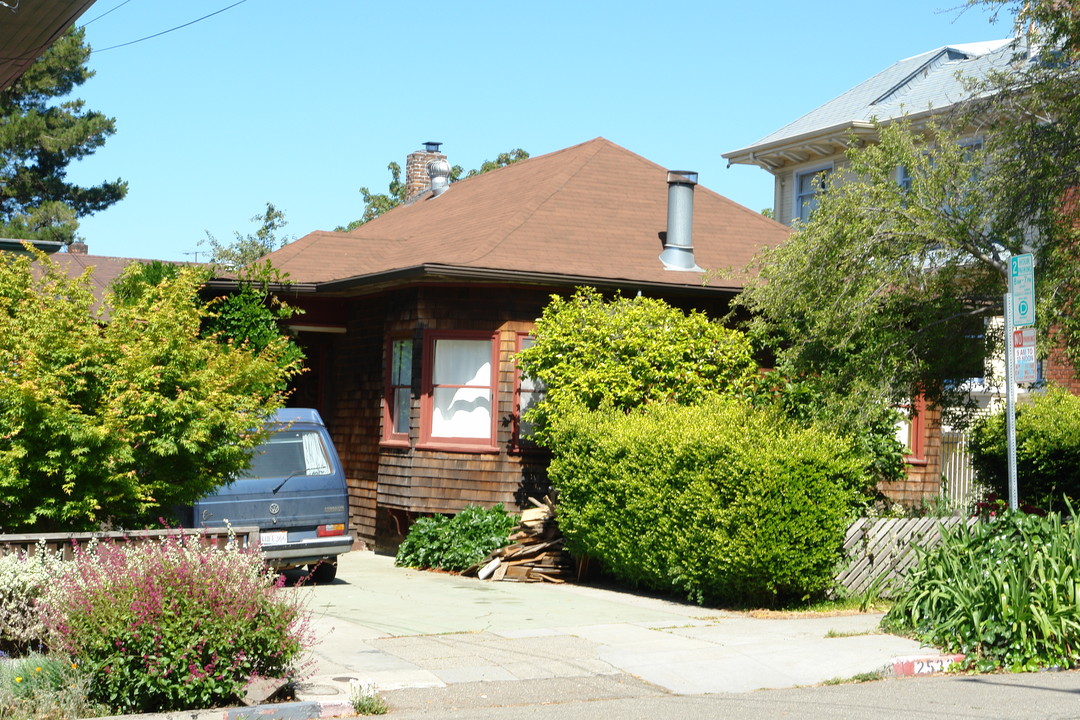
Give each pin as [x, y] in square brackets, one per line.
[307, 551]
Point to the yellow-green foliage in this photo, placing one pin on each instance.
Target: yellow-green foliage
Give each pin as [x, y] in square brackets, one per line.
[115, 413]
[718, 502]
[630, 351]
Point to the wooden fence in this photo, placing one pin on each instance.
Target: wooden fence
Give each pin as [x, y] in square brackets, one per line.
[878, 552]
[247, 536]
[958, 484]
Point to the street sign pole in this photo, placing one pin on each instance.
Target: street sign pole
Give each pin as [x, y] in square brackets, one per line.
[1010, 401]
[1019, 312]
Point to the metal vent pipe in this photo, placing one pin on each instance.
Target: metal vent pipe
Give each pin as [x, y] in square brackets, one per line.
[678, 251]
[439, 172]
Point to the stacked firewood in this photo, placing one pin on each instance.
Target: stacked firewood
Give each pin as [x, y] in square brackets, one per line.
[536, 553]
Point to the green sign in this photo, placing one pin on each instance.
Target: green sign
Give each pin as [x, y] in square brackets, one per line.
[1022, 289]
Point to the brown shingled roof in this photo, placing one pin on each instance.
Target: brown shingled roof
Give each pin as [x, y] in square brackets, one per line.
[591, 211]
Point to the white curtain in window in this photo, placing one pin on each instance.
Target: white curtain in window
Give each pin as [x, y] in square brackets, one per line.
[462, 412]
[315, 462]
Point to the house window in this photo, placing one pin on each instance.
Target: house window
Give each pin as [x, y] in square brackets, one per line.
[459, 391]
[903, 177]
[527, 392]
[808, 188]
[398, 397]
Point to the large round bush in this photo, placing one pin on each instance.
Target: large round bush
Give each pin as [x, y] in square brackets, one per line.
[719, 502]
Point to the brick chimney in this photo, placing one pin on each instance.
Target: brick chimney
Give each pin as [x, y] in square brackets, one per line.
[416, 169]
[77, 248]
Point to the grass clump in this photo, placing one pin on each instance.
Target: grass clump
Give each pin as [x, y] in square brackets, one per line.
[456, 542]
[365, 700]
[1004, 593]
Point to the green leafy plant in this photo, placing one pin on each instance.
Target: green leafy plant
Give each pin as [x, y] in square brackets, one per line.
[456, 542]
[719, 502]
[1003, 592]
[1047, 450]
[172, 626]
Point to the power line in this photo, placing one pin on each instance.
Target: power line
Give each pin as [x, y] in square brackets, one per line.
[117, 7]
[178, 27]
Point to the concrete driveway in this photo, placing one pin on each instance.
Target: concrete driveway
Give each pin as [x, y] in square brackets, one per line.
[426, 635]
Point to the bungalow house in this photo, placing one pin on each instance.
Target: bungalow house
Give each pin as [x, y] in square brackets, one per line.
[412, 320]
[918, 88]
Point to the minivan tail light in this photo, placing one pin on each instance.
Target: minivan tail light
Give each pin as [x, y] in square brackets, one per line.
[328, 530]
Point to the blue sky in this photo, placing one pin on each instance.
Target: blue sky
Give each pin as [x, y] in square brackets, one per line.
[302, 103]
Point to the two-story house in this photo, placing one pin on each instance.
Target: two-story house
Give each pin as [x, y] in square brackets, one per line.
[918, 88]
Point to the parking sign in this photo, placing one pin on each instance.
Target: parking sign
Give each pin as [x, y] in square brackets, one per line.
[1022, 289]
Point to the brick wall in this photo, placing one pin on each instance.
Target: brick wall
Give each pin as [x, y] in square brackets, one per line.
[1058, 370]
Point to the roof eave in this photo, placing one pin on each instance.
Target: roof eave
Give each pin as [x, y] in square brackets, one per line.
[437, 271]
[800, 148]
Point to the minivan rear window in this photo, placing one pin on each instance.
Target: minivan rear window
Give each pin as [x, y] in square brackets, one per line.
[288, 453]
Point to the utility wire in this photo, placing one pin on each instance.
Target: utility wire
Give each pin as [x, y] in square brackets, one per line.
[106, 13]
[164, 32]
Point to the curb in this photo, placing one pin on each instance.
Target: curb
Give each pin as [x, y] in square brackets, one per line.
[909, 665]
[303, 710]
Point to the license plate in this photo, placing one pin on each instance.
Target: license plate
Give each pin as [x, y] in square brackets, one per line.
[277, 537]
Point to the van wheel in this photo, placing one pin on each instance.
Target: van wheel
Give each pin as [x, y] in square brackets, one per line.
[323, 571]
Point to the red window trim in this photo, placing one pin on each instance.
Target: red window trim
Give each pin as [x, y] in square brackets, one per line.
[427, 397]
[389, 437]
[917, 432]
[517, 445]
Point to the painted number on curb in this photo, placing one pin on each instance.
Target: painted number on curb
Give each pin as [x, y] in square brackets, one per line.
[930, 666]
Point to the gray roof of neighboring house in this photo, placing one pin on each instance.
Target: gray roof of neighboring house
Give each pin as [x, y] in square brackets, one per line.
[927, 82]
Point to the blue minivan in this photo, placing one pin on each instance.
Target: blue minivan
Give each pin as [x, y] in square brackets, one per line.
[294, 491]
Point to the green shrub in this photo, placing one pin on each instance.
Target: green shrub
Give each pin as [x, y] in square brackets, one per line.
[22, 578]
[631, 351]
[457, 542]
[719, 502]
[44, 687]
[1003, 592]
[1047, 450]
[172, 626]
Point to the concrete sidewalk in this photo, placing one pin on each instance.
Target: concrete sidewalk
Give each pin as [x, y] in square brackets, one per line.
[423, 636]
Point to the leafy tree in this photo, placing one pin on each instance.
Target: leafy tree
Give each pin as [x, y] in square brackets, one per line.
[1032, 117]
[249, 316]
[375, 204]
[246, 249]
[114, 423]
[883, 294]
[40, 134]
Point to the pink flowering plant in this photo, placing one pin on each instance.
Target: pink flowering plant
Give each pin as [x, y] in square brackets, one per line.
[173, 626]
